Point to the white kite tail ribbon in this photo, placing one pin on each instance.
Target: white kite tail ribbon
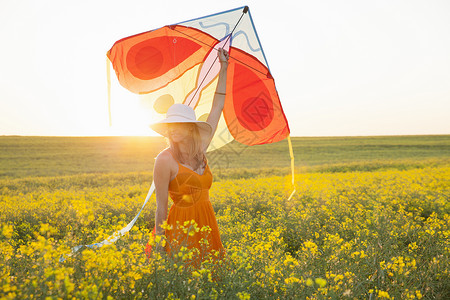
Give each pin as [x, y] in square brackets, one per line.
[116, 235]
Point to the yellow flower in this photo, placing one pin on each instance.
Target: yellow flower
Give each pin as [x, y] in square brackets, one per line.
[243, 296]
[320, 282]
[8, 231]
[291, 280]
[383, 294]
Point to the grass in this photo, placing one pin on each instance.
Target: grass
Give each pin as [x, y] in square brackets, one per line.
[53, 156]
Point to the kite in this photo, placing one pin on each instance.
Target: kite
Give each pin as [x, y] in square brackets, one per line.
[178, 64]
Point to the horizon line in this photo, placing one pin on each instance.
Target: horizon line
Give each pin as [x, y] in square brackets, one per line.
[157, 136]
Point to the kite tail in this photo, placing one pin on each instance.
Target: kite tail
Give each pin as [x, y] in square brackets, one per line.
[108, 80]
[116, 235]
[291, 153]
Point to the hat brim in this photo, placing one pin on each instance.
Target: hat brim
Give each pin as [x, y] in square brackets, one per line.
[161, 127]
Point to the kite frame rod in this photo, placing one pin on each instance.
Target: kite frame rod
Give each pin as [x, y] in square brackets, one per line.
[257, 37]
[215, 59]
[212, 47]
[211, 15]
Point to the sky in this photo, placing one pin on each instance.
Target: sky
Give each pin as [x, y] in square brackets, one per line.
[341, 68]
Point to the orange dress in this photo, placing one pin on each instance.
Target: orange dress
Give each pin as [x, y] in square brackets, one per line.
[190, 194]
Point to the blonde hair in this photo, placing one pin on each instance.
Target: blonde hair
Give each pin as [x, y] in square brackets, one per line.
[194, 151]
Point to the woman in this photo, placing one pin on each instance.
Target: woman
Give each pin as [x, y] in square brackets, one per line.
[182, 172]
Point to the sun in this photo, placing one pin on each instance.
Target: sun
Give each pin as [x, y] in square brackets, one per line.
[132, 114]
[131, 118]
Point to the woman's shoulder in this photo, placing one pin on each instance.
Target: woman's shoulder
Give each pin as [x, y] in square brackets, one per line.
[165, 156]
[165, 165]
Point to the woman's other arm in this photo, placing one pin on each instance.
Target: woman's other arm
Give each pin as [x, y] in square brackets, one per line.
[161, 177]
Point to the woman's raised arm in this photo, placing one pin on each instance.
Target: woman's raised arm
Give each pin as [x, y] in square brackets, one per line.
[219, 96]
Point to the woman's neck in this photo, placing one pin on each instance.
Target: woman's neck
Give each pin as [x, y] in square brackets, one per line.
[182, 149]
[185, 156]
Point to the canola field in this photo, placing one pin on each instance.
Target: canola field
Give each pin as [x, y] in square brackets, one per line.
[360, 229]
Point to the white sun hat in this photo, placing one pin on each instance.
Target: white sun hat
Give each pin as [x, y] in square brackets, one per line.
[182, 113]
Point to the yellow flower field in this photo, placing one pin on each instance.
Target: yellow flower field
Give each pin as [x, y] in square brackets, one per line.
[356, 235]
